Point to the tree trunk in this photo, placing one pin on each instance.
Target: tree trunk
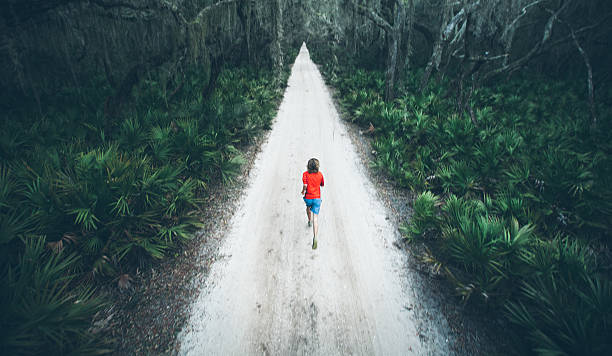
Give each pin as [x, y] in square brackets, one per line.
[245, 13]
[396, 38]
[587, 63]
[446, 31]
[277, 52]
[353, 39]
[408, 24]
[436, 54]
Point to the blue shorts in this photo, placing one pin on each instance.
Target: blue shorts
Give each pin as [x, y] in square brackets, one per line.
[313, 204]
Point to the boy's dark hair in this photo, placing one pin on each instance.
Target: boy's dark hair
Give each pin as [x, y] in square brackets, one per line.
[313, 165]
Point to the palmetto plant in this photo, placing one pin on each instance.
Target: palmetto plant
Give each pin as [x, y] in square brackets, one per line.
[459, 134]
[132, 134]
[516, 242]
[510, 140]
[230, 164]
[11, 145]
[263, 104]
[390, 152]
[565, 307]
[119, 203]
[391, 118]
[84, 195]
[522, 168]
[42, 197]
[194, 149]
[425, 218]
[460, 178]
[518, 174]
[13, 221]
[489, 156]
[42, 312]
[473, 243]
[510, 205]
[160, 148]
[370, 112]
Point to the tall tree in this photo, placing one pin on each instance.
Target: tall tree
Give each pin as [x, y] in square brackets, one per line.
[393, 26]
[277, 20]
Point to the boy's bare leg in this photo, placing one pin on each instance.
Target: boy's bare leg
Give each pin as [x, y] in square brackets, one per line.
[308, 213]
[315, 230]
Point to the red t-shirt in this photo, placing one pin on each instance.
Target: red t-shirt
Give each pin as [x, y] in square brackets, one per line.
[314, 182]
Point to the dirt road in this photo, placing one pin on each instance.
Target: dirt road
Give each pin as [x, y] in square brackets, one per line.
[270, 293]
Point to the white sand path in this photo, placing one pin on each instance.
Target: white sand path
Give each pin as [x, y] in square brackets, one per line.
[271, 293]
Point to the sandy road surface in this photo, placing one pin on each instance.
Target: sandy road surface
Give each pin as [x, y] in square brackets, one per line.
[270, 293]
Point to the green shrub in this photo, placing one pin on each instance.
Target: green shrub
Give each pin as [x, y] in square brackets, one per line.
[370, 112]
[565, 307]
[107, 194]
[43, 310]
[425, 216]
[496, 189]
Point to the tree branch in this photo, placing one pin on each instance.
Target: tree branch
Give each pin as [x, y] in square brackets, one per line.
[373, 16]
[523, 12]
[581, 30]
[587, 63]
[483, 58]
[510, 67]
[209, 8]
[107, 5]
[460, 16]
[443, 40]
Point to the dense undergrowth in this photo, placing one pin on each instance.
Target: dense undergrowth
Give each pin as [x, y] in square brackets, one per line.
[514, 203]
[85, 199]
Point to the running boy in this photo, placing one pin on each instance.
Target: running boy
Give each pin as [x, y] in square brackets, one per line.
[313, 181]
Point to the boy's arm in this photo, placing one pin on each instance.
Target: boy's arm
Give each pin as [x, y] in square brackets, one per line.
[322, 181]
[304, 182]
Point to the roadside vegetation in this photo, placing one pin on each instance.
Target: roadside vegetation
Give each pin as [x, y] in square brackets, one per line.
[85, 198]
[512, 197]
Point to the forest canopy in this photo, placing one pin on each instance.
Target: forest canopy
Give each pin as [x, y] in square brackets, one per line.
[62, 42]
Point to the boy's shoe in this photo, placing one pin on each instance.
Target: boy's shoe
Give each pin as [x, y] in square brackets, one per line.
[314, 243]
[309, 223]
